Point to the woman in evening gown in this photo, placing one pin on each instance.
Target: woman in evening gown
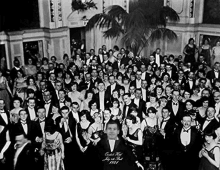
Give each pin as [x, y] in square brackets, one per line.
[52, 148]
[5, 91]
[210, 153]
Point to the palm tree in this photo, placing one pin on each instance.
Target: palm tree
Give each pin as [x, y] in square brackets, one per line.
[145, 23]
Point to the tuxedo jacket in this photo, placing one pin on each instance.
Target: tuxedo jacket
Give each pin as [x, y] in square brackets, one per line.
[106, 100]
[211, 76]
[134, 83]
[161, 57]
[187, 86]
[174, 75]
[27, 110]
[141, 108]
[213, 125]
[25, 160]
[121, 153]
[169, 129]
[130, 106]
[30, 130]
[187, 153]
[2, 122]
[180, 112]
[108, 90]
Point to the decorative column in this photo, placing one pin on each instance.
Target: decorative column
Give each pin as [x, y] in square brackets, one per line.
[191, 9]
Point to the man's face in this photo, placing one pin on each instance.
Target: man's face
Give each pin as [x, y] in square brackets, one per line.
[41, 113]
[186, 122]
[51, 67]
[61, 94]
[23, 115]
[88, 77]
[111, 80]
[176, 95]
[168, 68]
[144, 84]
[205, 93]
[31, 103]
[132, 90]
[143, 68]
[101, 87]
[126, 99]
[216, 66]
[2, 104]
[165, 113]
[158, 51]
[52, 77]
[138, 75]
[75, 108]
[138, 94]
[94, 73]
[43, 85]
[210, 113]
[119, 56]
[107, 115]
[65, 113]
[112, 131]
[58, 86]
[47, 96]
[217, 97]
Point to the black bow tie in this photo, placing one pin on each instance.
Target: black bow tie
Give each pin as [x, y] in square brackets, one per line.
[2, 111]
[208, 120]
[175, 103]
[62, 101]
[48, 102]
[184, 130]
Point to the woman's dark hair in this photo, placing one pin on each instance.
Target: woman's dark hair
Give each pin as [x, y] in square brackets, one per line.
[50, 126]
[93, 102]
[65, 55]
[84, 112]
[132, 118]
[190, 101]
[211, 132]
[29, 78]
[19, 99]
[152, 110]
[44, 59]
[190, 40]
[30, 91]
[203, 99]
[114, 100]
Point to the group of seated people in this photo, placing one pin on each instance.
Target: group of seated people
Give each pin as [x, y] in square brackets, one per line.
[57, 116]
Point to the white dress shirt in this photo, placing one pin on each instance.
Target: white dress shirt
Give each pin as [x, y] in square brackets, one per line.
[206, 123]
[66, 125]
[138, 84]
[25, 128]
[216, 74]
[113, 87]
[102, 100]
[42, 125]
[190, 84]
[76, 116]
[157, 59]
[32, 113]
[136, 101]
[47, 107]
[185, 137]
[163, 124]
[175, 108]
[112, 144]
[144, 97]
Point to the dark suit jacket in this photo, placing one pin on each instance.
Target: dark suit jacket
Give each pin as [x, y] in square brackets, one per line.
[187, 153]
[2, 122]
[130, 106]
[187, 86]
[213, 125]
[106, 100]
[178, 117]
[134, 83]
[120, 158]
[141, 108]
[108, 90]
[29, 129]
[29, 112]
[25, 160]
[211, 76]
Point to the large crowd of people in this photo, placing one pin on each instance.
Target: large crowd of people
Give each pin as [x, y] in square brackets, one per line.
[112, 110]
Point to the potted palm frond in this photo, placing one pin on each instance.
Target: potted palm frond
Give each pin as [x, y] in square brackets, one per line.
[80, 6]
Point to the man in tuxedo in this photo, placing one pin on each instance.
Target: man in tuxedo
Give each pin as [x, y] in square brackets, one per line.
[214, 74]
[51, 83]
[48, 103]
[210, 122]
[167, 127]
[171, 72]
[31, 111]
[113, 154]
[137, 82]
[113, 85]
[14, 71]
[24, 153]
[190, 82]
[25, 125]
[61, 94]
[67, 126]
[181, 78]
[101, 97]
[144, 75]
[176, 107]
[158, 57]
[187, 142]
[141, 104]
[128, 105]
[42, 89]
[144, 90]
[94, 78]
